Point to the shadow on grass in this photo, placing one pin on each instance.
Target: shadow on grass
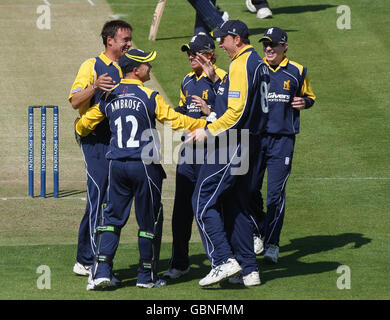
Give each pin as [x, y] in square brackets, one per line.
[66, 193]
[301, 9]
[290, 266]
[275, 11]
[199, 268]
[289, 10]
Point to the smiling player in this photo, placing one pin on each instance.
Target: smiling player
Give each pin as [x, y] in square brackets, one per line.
[95, 76]
[195, 88]
[290, 92]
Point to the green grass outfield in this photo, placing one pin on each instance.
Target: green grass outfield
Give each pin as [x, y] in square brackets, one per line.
[338, 195]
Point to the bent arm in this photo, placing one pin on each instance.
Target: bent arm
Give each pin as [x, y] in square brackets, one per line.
[307, 93]
[89, 121]
[164, 112]
[83, 89]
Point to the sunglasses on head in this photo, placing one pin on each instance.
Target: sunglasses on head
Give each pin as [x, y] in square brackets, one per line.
[271, 44]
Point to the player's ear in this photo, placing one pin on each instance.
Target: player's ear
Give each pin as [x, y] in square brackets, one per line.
[135, 71]
[109, 41]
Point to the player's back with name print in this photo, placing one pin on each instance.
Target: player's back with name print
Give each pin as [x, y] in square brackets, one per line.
[132, 123]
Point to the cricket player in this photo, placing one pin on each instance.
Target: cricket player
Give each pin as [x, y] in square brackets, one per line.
[196, 88]
[95, 76]
[208, 16]
[135, 171]
[260, 7]
[229, 240]
[290, 92]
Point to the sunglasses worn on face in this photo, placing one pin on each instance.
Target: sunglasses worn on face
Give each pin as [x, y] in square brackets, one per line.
[192, 53]
[271, 44]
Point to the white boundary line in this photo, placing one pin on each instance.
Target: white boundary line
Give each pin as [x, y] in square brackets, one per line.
[291, 178]
[64, 198]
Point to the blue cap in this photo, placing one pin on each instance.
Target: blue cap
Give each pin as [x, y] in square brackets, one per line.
[275, 35]
[133, 58]
[232, 27]
[199, 43]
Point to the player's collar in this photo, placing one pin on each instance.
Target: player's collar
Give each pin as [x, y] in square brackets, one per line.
[193, 74]
[283, 64]
[105, 59]
[132, 81]
[242, 51]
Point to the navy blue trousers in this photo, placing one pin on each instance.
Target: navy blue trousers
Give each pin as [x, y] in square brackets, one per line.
[94, 150]
[187, 173]
[260, 4]
[277, 158]
[207, 16]
[221, 204]
[128, 181]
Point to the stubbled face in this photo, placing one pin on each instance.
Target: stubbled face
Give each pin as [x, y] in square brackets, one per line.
[274, 52]
[120, 43]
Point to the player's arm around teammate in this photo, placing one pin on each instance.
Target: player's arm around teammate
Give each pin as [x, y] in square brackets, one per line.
[117, 40]
[95, 76]
[131, 109]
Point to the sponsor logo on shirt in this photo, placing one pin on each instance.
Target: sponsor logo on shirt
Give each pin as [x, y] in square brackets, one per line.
[278, 97]
[234, 94]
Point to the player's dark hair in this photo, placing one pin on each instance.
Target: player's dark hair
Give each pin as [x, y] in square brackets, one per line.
[213, 58]
[246, 41]
[243, 40]
[110, 29]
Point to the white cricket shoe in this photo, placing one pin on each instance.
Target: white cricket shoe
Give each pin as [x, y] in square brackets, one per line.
[82, 269]
[114, 282]
[258, 244]
[225, 16]
[251, 279]
[250, 6]
[175, 273]
[272, 254]
[264, 13]
[99, 284]
[230, 268]
[159, 283]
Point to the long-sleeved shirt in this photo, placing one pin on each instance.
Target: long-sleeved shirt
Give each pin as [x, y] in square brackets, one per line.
[287, 81]
[246, 103]
[132, 110]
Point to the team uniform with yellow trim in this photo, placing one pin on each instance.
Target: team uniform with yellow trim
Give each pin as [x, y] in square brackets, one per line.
[135, 171]
[94, 148]
[288, 80]
[223, 185]
[190, 159]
